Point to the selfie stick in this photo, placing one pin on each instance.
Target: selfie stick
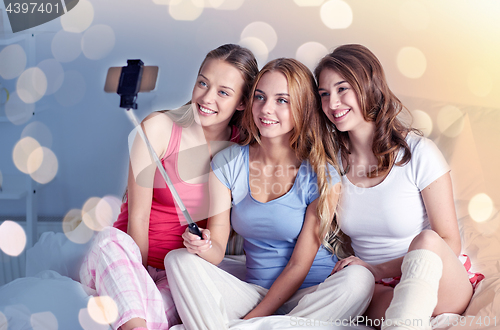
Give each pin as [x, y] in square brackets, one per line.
[131, 75]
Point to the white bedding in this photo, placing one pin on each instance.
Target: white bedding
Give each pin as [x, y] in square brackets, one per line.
[54, 293]
[471, 158]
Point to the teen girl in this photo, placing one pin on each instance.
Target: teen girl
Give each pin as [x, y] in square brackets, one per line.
[283, 198]
[397, 202]
[126, 261]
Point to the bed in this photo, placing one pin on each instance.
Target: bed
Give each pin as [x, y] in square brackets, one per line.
[50, 296]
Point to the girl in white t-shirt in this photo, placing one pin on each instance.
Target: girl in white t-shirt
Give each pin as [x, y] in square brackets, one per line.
[397, 201]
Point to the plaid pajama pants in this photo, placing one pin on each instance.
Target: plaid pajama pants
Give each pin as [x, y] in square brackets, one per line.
[113, 267]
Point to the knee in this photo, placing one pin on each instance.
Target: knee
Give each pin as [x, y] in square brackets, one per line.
[427, 239]
[111, 235]
[178, 257]
[359, 280]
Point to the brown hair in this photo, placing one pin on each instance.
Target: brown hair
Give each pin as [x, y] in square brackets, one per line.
[309, 127]
[363, 71]
[243, 60]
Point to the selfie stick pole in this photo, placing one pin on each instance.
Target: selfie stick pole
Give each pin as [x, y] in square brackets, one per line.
[193, 228]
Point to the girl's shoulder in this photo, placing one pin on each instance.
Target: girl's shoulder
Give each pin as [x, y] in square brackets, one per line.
[427, 162]
[157, 121]
[158, 128]
[230, 154]
[419, 143]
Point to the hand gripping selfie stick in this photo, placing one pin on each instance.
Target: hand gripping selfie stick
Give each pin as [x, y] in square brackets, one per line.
[128, 88]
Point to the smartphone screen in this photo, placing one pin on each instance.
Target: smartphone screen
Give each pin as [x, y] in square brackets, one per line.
[148, 82]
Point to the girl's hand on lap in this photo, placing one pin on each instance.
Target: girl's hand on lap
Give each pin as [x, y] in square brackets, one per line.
[194, 243]
[352, 260]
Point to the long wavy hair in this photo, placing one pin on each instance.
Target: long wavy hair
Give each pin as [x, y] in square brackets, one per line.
[363, 71]
[239, 57]
[309, 127]
[358, 66]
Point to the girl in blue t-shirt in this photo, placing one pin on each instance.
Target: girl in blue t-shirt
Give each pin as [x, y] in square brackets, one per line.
[280, 197]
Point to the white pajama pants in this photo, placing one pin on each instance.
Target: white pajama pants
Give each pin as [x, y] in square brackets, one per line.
[209, 298]
[113, 267]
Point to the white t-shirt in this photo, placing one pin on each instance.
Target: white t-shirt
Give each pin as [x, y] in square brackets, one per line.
[383, 220]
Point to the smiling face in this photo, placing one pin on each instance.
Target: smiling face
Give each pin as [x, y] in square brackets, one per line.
[340, 103]
[217, 93]
[271, 106]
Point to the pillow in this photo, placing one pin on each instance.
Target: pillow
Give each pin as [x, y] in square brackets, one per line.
[54, 251]
[47, 301]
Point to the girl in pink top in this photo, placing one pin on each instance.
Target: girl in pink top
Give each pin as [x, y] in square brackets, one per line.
[126, 261]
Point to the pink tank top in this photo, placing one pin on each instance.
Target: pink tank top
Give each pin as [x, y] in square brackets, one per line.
[165, 228]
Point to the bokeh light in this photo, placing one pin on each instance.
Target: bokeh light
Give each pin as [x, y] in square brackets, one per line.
[106, 211]
[258, 48]
[311, 53]
[79, 18]
[47, 170]
[71, 220]
[309, 3]
[38, 131]
[44, 321]
[98, 41]
[66, 46]
[480, 82]
[226, 4]
[422, 121]
[480, 207]
[54, 73]
[17, 111]
[261, 31]
[336, 14]
[73, 89]
[450, 121]
[185, 10]
[22, 151]
[413, 15]
[102, 309]
[12, 61]
[35, 160]
[411, 62]
[31, 85]
[114, 203]
[88, 323]
[12, 238]
[75, 229]
[89, 214]
[4, 324]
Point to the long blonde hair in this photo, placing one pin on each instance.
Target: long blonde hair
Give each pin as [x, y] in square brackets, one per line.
[306, 138]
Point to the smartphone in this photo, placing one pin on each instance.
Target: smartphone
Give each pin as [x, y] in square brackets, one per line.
[148, 81]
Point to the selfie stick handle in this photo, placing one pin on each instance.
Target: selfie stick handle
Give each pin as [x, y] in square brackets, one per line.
[193, 228]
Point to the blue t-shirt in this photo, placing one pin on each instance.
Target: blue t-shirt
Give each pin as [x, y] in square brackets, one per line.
[270, 230]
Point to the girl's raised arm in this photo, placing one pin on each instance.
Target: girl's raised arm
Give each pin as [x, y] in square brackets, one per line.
[157, 127]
